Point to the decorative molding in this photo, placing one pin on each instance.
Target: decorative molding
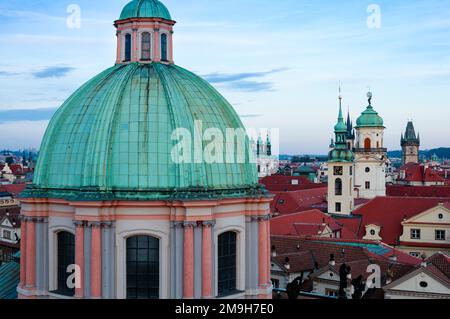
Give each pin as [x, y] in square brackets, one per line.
[209, 223]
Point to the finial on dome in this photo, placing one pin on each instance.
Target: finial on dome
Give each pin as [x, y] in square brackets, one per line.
[369, 96]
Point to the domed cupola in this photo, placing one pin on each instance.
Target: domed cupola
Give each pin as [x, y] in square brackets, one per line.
[369, 118]
[145, 9]
[115, 135]
[145, 33]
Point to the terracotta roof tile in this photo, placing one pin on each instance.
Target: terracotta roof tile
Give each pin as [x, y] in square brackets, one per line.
[389, 212]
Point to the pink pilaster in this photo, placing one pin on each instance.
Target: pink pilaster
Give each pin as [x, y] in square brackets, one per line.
[171, 47]
[96, 261]
[156, 45]
[188, 261]
[263, 253]
[207, 260]
[79, 257]
[30, 280]
[119, 47]
[134, 55]
[23, 253]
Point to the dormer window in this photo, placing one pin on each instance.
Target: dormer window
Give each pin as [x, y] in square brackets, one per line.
[163, 47]
[146, 46]
[127, 47]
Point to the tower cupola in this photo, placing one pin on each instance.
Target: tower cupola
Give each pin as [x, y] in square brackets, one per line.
[144, 33]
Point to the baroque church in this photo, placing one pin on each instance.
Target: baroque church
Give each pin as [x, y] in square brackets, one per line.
[357, 160]
[110, 214]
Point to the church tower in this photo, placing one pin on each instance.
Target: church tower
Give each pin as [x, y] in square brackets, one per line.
[340, 168]
[370, 155]
[410, 145]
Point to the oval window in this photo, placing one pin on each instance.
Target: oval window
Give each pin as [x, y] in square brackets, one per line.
[372, 232]
[423, 284]
[441, 216]
[367, 170]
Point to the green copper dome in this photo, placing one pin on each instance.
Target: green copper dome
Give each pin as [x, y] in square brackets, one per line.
[369, 118]
[340, 155]
[145, 9]
[114, 134]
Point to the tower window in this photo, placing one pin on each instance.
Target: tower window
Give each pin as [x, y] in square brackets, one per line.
[367, 185]
[146, 46]
[127, 47]
[367, 144]
[227, 263]
[164, 47]
[367, 169]
[338, 207]
[142, 267]
[338, 187]
[65, 258]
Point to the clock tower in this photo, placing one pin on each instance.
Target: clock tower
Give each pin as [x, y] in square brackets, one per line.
[340, 171]
[410, 145]
[370, 154]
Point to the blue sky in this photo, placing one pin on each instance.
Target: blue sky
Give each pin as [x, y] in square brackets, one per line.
[278, 62]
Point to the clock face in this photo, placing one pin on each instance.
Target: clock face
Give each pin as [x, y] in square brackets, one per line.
[338, 170]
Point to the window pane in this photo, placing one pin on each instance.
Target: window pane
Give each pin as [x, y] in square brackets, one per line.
[163, 47]
[142, 267]
[66, 257]
[127, 47]
[227, 262]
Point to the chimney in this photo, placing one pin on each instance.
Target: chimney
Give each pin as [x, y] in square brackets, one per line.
[332, 260]
[286, 264]
[274, 251]
[424, 263]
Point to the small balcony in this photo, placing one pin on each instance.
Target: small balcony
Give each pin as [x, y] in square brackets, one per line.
[370, 150]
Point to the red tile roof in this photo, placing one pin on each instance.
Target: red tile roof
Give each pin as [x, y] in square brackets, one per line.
[13, 189]
[418, 191]
[308, 223]
[389, 212]
[282, 183]
[420, 173]
[297, 201]
[311, 254]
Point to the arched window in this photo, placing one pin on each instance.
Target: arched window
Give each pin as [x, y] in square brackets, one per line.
[146, 46]
[227, 263]
[127, 47]
[338, 187]
[164, 47]
[142, 267]
[65, 256]
[367, 144]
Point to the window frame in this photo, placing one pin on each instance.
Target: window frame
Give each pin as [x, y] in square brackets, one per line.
[164, 49]
[128, 47]
[227, 276]
[61, 265]
[416, 233]
[439, 231]
[141, 249]
[149, 42]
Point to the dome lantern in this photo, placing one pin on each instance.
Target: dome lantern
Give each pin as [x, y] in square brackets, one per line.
[144, 33]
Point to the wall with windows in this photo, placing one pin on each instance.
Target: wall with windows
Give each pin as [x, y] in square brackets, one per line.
[340, 188]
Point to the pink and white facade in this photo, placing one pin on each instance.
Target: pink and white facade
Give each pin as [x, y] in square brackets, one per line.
[187, 234]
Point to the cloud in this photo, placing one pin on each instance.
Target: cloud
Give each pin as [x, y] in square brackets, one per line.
[53, 72]
[26, 115]
[240, 81]
[6, 73]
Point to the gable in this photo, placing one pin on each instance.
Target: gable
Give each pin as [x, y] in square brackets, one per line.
[6, 223]
[416, 282]
[329, 275]
[432, 216]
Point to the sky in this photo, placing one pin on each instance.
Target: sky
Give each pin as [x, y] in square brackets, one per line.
[279, 63]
